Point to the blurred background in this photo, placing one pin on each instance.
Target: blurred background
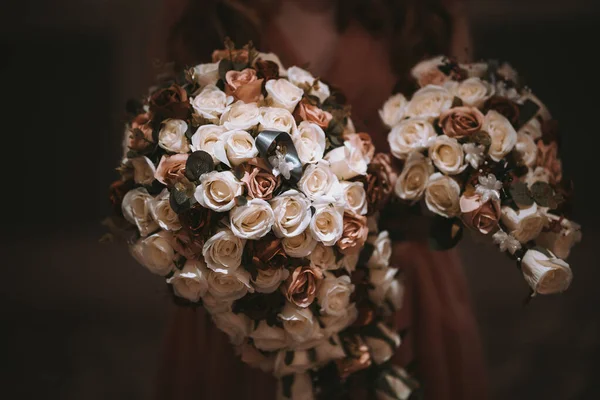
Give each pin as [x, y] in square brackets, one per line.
[81, 320]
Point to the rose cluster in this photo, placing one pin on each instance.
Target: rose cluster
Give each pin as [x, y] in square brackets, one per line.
[252, 195]
[480, 150]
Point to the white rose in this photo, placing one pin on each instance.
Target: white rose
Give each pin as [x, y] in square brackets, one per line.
[350, 261]
[274, 58]
[254, 358]
[525, 224]
[327, 223]
[269, 280]
[526, 149]
[172, 136]
[355, 197]
[502, 133]
[560, 243]
[299, 246]
[447, 155]
[381, 280]
[397, 380]
[235, 148]
[143, 170]
[206, 74]
[309, 141]
[382, 344]
[240, 115]
[163, 213]
[304, 79]
[347, 161]
[413, 179]
[190, 283]
[252, 221]
[301, 389]
[205, 138]
[442, 195]
[335, 324]
[319, 182]
[229, 285]
[292, 213]
[410, 135]
[268, 338]
[215, 305]
[382, 250]
[324, 257]
[429, 102]
[292, 362]
[393, 110]
[223, 251]
[533, 128]
[236, 326]
[474, 92]
[425, 66]
[545, 273]
[301, 326]
[283, 93]
[210, 103]
[276, 119]
[136, 209]
[329, 350]
[155, 253]
[334, 294]
[218, 190]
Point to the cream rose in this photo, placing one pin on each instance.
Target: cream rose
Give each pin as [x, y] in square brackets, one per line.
[303, 78]
[560, 242]
[442, 195]
[254, 358]
[241, 116]
[545, 273]
[143, 170]
[156, 253]
[525, 224]
[397, 380]
[393, 110]
[426, 70]
[301, 326]
[526, 149]
[447, 155]
[382, 250]
[215, 305]
[299, 246]
[474, 92]
[410, 135]
[347, 161]
[223, 251]
[335, 324]
[268, 338]
[429, 102]
[210, 103]
[319, 182]
[324, 257]
[136, 209]
[329, 350]
[172, 138]
[502, 133]
[218, 190]
[533, 128]
[414, 177]
[229, 285]
[334, 294]
[205, 138]
[283, 93]
[309, 141]
[382, 344]
[292, 213]
[206, 74]
[355, 197]
[276, 119]
[190, 283]
[301, 388]
[163, 213]
[235, 148]
[269, 280]
[252, 221]
[236, 326]
[327, 223]
[386, 288]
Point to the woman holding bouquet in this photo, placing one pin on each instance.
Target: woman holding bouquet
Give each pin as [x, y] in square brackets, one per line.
[366, 49]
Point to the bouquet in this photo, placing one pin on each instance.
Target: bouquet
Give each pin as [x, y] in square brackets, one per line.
[245, 186]
[476, 148]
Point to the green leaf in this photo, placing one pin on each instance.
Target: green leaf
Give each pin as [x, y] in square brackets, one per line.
[198, 163]
[179, 201]
[241, 201]
[542, 193]
[520, 194]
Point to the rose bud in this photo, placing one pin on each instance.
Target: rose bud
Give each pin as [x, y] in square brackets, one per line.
[301, 286]
[482, 217]
[562, 238]
[459, 122]
[171, 102]
[243, 85]
[544, 272]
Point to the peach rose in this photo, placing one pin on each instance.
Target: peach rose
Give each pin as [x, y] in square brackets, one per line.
[548, 159]
[308, 112]
[243, 85]
[459, 122]
[301, 286]
[260, 182]
[362, 141]
[480, 216]
[170, 169]
[354, 235]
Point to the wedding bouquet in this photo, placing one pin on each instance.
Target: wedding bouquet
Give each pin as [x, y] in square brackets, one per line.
[246, 187]
[478, 149]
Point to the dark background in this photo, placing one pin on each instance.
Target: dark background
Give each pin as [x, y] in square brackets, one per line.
[82, 320]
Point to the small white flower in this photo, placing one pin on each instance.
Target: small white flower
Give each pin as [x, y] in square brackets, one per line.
[506, 242]
[474, 154]
[280, 165]
[488, 188]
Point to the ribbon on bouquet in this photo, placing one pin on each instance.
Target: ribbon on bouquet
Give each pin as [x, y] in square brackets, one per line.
[278, 150]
